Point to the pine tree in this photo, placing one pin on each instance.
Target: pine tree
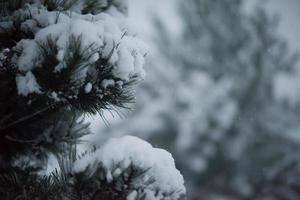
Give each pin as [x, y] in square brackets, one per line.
[61, 60]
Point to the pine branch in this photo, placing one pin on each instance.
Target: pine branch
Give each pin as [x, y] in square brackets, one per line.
[96, 6]
[25, 118]
[61, 5]
[8, 6]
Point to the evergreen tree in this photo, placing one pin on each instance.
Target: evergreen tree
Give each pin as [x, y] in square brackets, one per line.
[61, 60]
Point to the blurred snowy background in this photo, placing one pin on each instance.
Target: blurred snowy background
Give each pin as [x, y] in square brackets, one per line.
[221, 94]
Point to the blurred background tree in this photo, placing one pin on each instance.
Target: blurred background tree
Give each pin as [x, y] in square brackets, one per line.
[212, 98]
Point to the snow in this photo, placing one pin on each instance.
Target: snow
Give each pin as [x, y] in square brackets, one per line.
[3, 55]
[132, 196]
[94, 57]
[54, 96]
[99, 30]
[286, 88]
[125, 61]
[60, 55]
[109, 177]
[88, 88]
[5, 26]
[27, 84]
[107, 83]
[129, 150]
[104, 33]
[29, 56]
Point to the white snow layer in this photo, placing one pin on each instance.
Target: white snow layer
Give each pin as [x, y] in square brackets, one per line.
[129, 150]
[105, 31]
[88, 88]
[27, 84]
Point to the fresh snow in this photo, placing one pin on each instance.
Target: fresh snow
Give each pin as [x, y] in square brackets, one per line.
[106, 32]
[27, 84]
[88, 88]
[129, 150]
[54, 96]
[132, 195]
[107, 83]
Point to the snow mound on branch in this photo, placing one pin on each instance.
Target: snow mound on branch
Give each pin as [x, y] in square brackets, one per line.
[27, 84]
[103, 32]
[158, 164]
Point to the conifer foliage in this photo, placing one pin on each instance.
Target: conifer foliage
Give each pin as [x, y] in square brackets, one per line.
[61, 60]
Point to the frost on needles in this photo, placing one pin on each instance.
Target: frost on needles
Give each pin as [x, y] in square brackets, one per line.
[61, 60]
